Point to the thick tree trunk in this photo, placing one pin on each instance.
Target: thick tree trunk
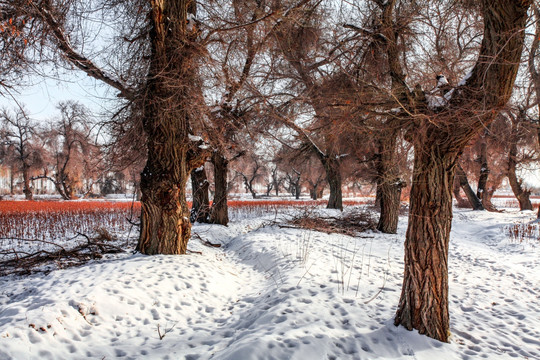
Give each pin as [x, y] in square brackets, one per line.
[220, 212]
[523, 196]
[389, 184]
[438, 141]
[424, 298]
[333, 177]
[461, 177]
[200, 208]
[313, 193]
[169, 95]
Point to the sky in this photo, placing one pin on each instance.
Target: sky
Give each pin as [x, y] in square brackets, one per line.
[41, 98]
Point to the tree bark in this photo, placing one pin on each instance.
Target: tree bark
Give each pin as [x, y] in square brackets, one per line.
[169, 95]
[424, 297]
[220, 212]
[484, 171]
[461, 177]
[522, 195]
[333, 177]
[27, 190]
[461, 202]
[389, 184]
[200, 208]
[439, 140]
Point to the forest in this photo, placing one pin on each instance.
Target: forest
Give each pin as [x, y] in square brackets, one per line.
[361, 168]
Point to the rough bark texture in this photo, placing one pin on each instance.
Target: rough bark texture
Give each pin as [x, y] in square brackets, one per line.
[220, 212]
[474, 201]
[200, 208]
[169, 92]
[389, 184]
[461, 202]
[439, 139]
[424, 297]
[333, 177]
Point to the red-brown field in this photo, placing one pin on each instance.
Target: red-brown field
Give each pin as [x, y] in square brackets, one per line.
[55, 220]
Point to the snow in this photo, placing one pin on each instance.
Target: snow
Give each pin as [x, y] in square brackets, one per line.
[463, 81]
[279, 293]
[441, 81]
[435, 101]
[530, 177]
[194, 138]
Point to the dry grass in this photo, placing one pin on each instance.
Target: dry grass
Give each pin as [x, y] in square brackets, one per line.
[349, 223]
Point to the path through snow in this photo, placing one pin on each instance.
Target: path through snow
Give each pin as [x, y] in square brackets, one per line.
[274, 293]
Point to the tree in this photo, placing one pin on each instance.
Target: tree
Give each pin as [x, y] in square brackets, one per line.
[439, 135]
[252, 171]
[18, 134]
[158, 78]
[200, 208]
[518, 131]
[307, 59]
[462, 182]
[72, 157]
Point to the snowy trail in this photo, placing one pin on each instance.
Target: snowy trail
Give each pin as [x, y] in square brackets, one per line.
[274, 293]
[113, 308]
[494, 290]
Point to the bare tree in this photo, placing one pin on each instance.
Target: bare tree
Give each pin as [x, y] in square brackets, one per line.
[439, 134]
[252, 171]
[72, 156]
[18, 135]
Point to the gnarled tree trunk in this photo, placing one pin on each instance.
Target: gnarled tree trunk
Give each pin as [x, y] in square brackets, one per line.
[333, 177]
[439, 140]
[461, 177]
[389, 184]
[220, 212]
[424, 298]
[172, 155]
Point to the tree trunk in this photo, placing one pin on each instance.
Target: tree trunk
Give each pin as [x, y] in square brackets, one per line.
[333, 177]
[522, 195]
[438, 142]
[461, 202]
[169, 95]
[474, 201]
[27, 190]
[424, 297]
[220, 212]
[12, 180]
[200, 208]
[389, 184]
[484, 171]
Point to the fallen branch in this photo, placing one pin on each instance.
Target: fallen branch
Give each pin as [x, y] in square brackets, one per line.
[25, 262]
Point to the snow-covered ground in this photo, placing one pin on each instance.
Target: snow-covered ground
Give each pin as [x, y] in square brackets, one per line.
[279, 293]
